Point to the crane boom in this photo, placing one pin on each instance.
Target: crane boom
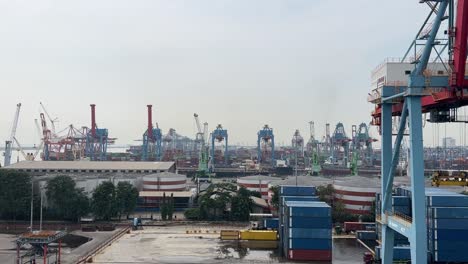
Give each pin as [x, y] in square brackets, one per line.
[9, 142]
[25, 156]
[197, 122]
[52, 121]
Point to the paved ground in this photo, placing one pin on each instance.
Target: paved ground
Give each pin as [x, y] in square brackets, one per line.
[7, 248]
[173, 245]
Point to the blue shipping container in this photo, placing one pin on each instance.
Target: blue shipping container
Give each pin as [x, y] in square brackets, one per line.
[271, 223]
[309, 233]
[308, 209]
[450, 234]
[453, 255]
[401, 201]
[443, 223]
[449, 201]
[399, 253]
[310, 222]
[292, 190]
[366, 235]
[448, 212]
[310, 243]
[447, 245]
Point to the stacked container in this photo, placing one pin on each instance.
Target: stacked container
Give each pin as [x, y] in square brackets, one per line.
[307, 231]
[447, 223]
[271, 223]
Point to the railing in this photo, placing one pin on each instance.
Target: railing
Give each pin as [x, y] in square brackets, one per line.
[98, 249]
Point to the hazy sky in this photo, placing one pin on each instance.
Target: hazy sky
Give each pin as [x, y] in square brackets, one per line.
[239, 63]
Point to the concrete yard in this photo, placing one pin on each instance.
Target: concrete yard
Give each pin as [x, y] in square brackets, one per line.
[173, 245]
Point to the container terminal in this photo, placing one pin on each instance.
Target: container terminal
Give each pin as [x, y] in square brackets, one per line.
[394, 198]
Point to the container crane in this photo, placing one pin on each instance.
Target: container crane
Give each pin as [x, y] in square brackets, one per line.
[327, 141]
[52, 121]
[362, 143]
[9, 142]
[201, 138]
[313, 147]
[219, 135]
[297, 143]
[152, 140]
[440, 96]
[96, 139]
[266, 138]
[340, 144]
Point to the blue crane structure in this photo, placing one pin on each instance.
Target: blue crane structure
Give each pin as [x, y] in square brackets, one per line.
[96, 139]
[152, 140]
[218, 135]
[264, 137]
[340, 144]
[440, 96]
[362, 143]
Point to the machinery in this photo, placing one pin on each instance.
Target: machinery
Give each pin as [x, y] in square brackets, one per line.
[266, 145]
[449, 178]
[152, 140]
[313, 149]
[340, 145]
[362, 144]
[201, 139]
[219, 135]
[96, 139]
[9, 142]
[438, 93]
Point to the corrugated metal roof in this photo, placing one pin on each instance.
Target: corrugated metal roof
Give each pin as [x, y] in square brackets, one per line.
[168, 194]
[92, 165]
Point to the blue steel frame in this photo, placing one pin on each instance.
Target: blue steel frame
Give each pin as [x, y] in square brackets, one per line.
[152, 146]
[96, 146]
[267, 134]
[416, 230]
[220, 134]
[339, 139]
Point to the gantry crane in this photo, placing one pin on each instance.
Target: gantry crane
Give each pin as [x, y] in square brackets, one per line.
[266, 139]
[362, 144]
[439, 95]
[96, 139]
[152, 140]
[9, 142]
[313, 148]
[201, 139]
[218, 135]
[340, 144]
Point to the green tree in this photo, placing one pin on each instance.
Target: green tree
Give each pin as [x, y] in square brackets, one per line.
[65, 200]
[103, 202]
[192, 214]
[275, 197]
[126, 198]
[15, 194]
[241, 205]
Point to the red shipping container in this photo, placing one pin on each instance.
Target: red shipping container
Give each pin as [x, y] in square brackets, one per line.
[305, 254]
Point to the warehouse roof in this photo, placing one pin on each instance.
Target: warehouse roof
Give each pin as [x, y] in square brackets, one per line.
[94, 166]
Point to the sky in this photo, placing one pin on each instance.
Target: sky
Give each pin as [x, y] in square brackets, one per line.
[239, 63]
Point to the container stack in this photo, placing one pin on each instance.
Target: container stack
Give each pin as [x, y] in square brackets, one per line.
[307, 231]
[271, 223]
[447, 223]
[292, 193]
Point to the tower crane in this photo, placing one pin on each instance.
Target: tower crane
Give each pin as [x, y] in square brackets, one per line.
[9, 142]
[439, 95]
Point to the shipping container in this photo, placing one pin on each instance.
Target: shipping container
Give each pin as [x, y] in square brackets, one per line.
[456, 223]
[400, 201]
[309, 243]
[453, 255]
[447, 201]
[309, 233]
[448, 212]
[448, 245]
[310, 255]
[271, 223]
[292, 190]
[309, 222]
[307, 209]
[358, 226]
[366, 235]
[399, 253]
[258, 235]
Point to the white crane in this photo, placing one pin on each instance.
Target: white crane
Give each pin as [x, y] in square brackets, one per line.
[52, 121]
[9, 142]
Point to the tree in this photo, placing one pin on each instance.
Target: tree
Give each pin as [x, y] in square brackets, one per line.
[65, 200]
[241, 205]
[15, 194]
[192, 214]
[104, 202]
[126, 198]
[275, 197]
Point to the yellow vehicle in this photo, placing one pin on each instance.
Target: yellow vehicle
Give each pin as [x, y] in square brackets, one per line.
[449, 178]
